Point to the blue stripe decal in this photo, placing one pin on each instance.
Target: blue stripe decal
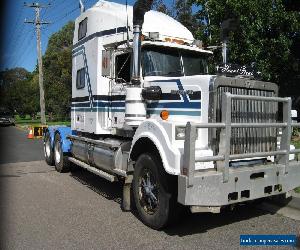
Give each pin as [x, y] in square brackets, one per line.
[104, 109]
[179, 85]
[109, 32]
[99, 104]
[81, 51]
[186, 104]
[156, 105]
[77, 49]
[149, 112]
[177, 105]
[175, 112]
[91, 98]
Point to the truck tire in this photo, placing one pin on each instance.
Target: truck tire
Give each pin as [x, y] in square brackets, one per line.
[152, 196]
[48, 151]
[62, 164]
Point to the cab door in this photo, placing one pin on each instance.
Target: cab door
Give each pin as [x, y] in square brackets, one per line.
[121, 77]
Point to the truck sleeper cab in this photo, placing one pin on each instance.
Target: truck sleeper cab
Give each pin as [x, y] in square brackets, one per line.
[201, 140]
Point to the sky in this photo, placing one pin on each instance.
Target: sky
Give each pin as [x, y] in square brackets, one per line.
[19, 40]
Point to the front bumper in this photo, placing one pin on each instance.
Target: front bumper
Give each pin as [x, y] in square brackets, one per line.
[245, 183]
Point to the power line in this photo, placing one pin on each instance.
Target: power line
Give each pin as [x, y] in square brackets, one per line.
[25, 52]
[18, 19]
[26, 42]
[54, 10]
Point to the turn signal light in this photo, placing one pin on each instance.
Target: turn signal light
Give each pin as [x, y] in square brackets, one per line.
[164, 114]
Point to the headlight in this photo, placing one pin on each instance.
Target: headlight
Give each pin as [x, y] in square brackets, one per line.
[180, 133]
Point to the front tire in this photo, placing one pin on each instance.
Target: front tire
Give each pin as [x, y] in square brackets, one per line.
[62, 164]
[152, 194]
[48, 151]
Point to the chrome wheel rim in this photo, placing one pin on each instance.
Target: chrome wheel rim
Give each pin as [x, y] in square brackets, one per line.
[148, 192]
[57, 152]
[47, 147]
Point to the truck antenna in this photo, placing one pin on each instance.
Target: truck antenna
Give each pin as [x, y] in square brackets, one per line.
[127, 28]
[81, 5]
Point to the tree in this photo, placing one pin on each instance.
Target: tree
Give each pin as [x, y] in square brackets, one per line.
[184, 14]
[265, 35]
[160, 6]
[18, 92]
[58, 71]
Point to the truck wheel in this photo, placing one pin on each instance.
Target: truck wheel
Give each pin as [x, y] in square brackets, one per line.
[152, 198]
[48, 152]
[61, 161]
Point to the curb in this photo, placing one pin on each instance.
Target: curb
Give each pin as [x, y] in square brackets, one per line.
[293, 202]
[286, 211]
[289, 207]
[24, 128]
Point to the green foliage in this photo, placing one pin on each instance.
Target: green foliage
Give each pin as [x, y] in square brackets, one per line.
[160, 6]
[19, 91]
[182, 12]
[265, 35]
[58, 72]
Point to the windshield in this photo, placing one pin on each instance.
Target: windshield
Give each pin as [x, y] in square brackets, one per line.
[193, 63]
[161, 63]
[174, 62]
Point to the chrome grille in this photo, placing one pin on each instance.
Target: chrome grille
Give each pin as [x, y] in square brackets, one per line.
[249, 140]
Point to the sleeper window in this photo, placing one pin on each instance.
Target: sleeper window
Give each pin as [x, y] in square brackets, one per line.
[82, 29]
[80, 79]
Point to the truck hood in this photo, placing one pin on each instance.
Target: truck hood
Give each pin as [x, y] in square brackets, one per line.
[186, 98]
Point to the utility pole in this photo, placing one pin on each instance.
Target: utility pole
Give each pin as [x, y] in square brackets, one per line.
[37, 22]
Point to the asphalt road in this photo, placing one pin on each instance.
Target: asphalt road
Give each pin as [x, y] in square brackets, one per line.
[42, 209]
[15, 147]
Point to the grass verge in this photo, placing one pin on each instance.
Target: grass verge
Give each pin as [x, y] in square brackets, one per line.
[25, 123]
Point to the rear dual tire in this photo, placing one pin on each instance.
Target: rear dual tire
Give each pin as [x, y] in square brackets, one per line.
[48, 151]
[62, 164]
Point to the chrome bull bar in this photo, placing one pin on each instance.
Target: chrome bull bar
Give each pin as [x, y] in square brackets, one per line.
[224, 157]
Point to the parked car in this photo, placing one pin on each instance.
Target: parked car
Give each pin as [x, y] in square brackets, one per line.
[6, 119]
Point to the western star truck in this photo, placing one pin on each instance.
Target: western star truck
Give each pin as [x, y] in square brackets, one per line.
[146, 112]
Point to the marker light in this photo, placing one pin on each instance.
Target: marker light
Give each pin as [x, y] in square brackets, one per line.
[174, 40]
[164, 114]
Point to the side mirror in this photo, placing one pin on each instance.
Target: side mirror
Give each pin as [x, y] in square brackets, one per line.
[152, 93]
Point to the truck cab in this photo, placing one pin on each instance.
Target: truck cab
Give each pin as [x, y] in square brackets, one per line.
[146, 112]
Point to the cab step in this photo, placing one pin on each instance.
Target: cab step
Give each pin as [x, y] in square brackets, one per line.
[94, 170]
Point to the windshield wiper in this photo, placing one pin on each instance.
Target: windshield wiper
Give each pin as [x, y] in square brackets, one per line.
[173, 73]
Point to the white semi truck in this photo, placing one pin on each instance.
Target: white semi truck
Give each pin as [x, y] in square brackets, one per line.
[145, 111]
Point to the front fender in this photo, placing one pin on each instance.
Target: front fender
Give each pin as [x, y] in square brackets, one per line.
[160, 133]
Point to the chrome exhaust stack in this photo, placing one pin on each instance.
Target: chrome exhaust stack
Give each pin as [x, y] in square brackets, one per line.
[135, 106]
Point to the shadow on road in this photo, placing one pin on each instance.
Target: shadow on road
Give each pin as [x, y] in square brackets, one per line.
[20, 173]
[111, 191]
[188, 224]
[203, 222]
